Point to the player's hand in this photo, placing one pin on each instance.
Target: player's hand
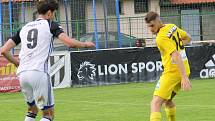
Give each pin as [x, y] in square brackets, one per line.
[89, 44]
[185, 84]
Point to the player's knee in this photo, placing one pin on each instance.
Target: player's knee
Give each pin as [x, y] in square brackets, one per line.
[169, 103]
[48, 114]
[157, 101]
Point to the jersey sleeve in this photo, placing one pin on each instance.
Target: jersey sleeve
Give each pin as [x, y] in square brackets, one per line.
[182, 33]
[16, 38]
[56, 29]
[166, 45]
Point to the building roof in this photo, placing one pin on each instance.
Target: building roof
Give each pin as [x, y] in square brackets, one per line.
[191, 1]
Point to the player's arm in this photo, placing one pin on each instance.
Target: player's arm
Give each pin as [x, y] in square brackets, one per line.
[185, 37]
[58, 32]
[72, 43]
[168, 47]
[185, 83]
[5, 51]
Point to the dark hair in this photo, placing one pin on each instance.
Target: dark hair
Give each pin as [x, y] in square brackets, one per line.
[150, 16]
[44, 6]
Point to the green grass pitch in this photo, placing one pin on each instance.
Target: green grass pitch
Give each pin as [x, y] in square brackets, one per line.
[126, 102]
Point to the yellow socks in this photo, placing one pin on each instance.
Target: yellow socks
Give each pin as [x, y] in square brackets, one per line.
[155, 116]
[170, 113]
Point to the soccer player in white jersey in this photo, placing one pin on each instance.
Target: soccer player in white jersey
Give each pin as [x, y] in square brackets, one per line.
[36, 40]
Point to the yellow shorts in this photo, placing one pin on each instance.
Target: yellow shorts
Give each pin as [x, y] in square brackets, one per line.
[167, 84]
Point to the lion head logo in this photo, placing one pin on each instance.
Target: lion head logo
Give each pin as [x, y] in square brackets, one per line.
[86, 70]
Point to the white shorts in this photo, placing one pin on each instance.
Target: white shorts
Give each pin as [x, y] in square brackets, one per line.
[37, 89]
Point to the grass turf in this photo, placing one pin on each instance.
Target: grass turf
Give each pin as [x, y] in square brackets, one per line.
[125, 102]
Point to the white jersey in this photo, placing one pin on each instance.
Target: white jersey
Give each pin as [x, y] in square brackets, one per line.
[36, 39]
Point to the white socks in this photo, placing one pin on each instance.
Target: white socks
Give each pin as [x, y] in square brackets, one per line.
[29, 119]
[33, 119]
[45, 119]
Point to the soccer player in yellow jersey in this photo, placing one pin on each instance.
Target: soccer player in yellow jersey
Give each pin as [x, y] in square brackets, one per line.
[170, 41]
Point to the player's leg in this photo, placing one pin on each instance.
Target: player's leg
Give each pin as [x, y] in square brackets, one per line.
[27, 91]
[163, 91]
[32, 113]
[48, 108]
[156, 104]
[170, 108]
[48, 114]
[44, 97]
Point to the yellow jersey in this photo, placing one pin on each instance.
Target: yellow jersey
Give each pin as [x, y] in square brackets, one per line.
[168, 40]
